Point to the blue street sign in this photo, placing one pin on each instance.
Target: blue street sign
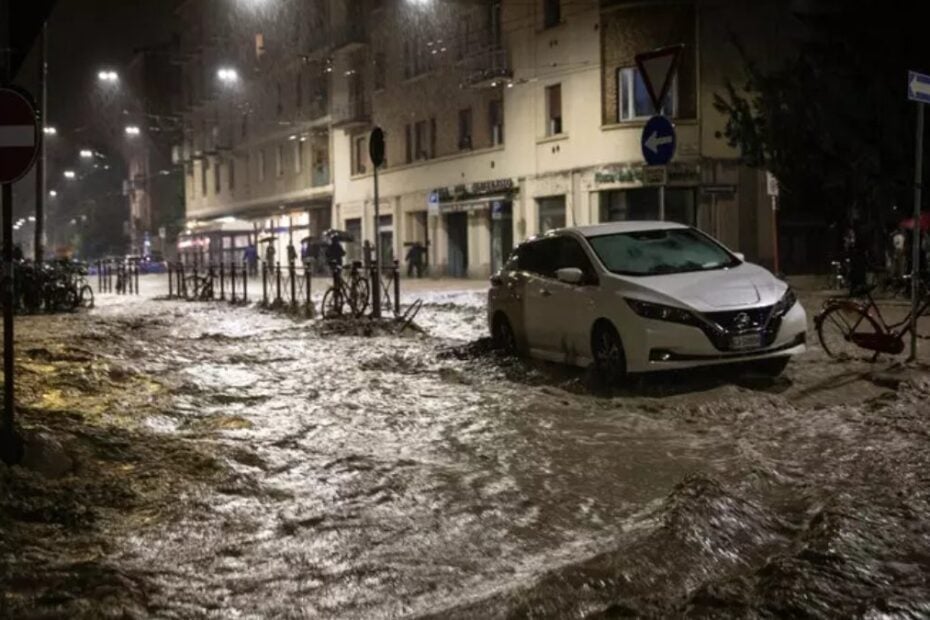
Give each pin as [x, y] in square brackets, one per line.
[918, 87]
[658, 141]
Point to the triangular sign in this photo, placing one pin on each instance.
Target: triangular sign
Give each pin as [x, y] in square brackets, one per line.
[658, 68]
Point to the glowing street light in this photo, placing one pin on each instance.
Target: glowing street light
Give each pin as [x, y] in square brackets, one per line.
[69, 174]
[228, 75]
[49, 131]
[108, 76]
[52, 193]
[86, 153]
[31, 218]
[133, 130]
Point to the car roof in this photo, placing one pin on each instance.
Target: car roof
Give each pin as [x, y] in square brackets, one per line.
[611, 228]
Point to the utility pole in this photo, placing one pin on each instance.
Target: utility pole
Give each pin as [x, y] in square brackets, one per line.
[41, 182]
[918, 91]
[376, 152]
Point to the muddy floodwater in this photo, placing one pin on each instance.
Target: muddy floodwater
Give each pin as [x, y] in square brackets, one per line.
[203, 460]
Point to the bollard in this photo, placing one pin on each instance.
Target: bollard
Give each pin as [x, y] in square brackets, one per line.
[232, 284]
[309, 304]
[396, 287]
[99, 278]
[182, 283]
[292, 273]
[245, 284]
[277, 298]
[170, 283]
[265, 284]
[137, 279]
[223, 281]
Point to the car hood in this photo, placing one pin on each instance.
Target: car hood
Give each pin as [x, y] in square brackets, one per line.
[747, 285]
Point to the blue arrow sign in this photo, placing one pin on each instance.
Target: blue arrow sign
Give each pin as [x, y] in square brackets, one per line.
[658, 141]
[918, 87]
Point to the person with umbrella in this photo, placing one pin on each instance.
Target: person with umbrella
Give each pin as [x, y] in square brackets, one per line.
[334, 251]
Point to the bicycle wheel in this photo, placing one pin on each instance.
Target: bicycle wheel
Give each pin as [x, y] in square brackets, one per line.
[837, 325]
[359, 294]
[87, 296]
[192, 287]
[332, 304]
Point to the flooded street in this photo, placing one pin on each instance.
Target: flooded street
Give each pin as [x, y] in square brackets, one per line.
[227, 462]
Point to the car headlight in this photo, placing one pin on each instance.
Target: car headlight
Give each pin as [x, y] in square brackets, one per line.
[660, 312]
[785, 304]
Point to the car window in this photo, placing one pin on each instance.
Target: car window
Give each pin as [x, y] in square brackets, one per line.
[571, 254]
[656, 252]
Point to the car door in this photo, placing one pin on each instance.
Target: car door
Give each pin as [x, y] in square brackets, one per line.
[571, 308]
[537, 307]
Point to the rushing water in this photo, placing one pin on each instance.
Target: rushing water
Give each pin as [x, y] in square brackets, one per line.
[421, 474]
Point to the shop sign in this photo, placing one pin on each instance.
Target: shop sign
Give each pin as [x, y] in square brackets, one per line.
[625, 174]
[655, 175]
[684, 174]
[464, 207]
[677, 173]
[465, 191]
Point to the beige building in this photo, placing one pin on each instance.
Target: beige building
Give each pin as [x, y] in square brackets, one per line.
[502, 119]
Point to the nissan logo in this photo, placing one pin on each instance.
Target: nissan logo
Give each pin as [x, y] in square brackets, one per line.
[742, 320]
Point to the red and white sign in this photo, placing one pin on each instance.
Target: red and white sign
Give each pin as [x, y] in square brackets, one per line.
[19, 135]
[658, 68]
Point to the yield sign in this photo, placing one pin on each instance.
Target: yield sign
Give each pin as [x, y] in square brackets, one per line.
[658, 68]
[19, 134]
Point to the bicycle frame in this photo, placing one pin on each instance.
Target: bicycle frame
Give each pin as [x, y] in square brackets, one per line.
[897, 329]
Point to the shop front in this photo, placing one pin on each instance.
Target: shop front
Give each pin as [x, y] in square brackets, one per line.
[633, 192]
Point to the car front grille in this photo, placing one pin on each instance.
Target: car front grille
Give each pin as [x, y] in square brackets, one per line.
[735, 321]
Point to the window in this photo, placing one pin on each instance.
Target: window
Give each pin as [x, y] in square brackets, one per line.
[465, 129]
[380, 70]
[279, 160]
[248, 169]
[652, 252]
[280, 105]
[554, 110]
[261, 165]
[419, 133]
[359, 155]
[259, 45]
[408, 65]
[408, 143]
[216, 177]
[551, 213]
[552, 13]
[496, 121]
[232, 174]
[298, 155]
[245, 125]
[633, 96]
[300, 90]
[464, 35]
[204, 167]
[432, 137]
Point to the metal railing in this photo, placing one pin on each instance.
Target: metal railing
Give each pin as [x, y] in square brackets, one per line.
[117, 276]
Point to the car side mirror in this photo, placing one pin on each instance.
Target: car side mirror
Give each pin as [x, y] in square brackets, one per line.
[740, 256]
[569, 275]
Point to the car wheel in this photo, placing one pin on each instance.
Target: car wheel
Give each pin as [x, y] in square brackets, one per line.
[773, 366]
[503, 335]
[607, 351]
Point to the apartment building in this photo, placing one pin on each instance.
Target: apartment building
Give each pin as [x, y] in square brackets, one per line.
[502, 119]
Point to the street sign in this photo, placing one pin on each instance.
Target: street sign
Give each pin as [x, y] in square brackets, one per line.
[376, 146]
[657, 69]
[432, 203]
[918, 87]
[658, 141]
[19, 134]
[771, 184]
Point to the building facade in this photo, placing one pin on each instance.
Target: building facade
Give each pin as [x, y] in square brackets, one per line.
[502, 120]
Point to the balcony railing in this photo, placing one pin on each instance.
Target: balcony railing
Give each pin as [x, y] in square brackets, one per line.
[486, 68]
[353, 113]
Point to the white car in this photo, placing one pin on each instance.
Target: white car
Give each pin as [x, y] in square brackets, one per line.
[642, 296]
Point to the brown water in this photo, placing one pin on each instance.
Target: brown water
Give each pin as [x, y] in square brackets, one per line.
[234, 463]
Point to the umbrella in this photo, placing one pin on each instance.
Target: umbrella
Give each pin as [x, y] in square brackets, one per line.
[924, 222]
[341, 235]
[267, 239]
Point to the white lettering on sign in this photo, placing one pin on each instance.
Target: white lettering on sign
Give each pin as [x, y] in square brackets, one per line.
[17, 136]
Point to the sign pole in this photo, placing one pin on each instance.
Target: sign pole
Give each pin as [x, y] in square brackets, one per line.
[915, 239]
[662, 202]
[10, 447]
[775, 258]
[39, 238]
[376, 284]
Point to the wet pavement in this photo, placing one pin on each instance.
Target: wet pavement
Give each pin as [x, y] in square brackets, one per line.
[220, 461]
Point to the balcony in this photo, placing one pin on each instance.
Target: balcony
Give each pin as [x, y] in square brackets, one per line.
[349, 35]
[487, 68]
[354, 113]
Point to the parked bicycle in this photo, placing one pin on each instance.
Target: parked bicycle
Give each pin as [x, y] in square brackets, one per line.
[850, 329]
[344, 297]
[199, 287]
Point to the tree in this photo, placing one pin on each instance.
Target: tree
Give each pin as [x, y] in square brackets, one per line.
[832, 121]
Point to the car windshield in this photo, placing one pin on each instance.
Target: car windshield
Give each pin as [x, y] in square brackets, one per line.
[656, 252]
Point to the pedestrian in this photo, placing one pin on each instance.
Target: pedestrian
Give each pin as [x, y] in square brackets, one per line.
[291, 254]
[414, 260]
[898, 253]
[269, 256]
[335, 251]
[251, 259]
[368, 254]
[17, 252]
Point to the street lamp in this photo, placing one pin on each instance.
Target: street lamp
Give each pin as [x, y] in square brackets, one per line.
[69, 174]
[133, 130]
[86, 153]
[52, 193]
[49, 131]
[228, 75]
[108, 76]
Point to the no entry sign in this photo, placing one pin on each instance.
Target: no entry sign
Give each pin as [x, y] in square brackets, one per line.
[19, 135]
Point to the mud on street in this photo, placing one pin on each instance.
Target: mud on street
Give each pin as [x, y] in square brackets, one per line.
[200, 460]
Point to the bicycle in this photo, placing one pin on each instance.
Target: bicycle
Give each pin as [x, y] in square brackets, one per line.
[335, 298]
[198, 288]
[848, 327]
[359, 289]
